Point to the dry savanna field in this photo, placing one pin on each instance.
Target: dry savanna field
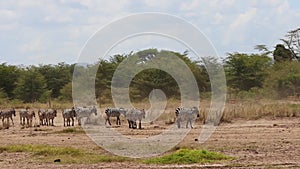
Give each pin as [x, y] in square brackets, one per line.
[252, 134]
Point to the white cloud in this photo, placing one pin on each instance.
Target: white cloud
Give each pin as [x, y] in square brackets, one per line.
[58, 29]
[243, 19]
[34, 45]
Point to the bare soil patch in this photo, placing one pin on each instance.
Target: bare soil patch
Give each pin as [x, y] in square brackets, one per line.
[263, 143]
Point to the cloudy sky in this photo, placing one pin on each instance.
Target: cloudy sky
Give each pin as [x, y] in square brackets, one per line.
[49, 32]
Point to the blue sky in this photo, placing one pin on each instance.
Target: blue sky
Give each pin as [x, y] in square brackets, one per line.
[49, 32]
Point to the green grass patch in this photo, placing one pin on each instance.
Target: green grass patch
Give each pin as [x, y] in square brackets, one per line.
[67, 155]
[71, 130]
[188, 156]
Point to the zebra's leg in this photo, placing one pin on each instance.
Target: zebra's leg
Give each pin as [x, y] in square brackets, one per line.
[108, 121]
[140, 124]
[72, 121]
[178, 123]
[129, 123]
[12, 121]
[79, 121]
[118, 120]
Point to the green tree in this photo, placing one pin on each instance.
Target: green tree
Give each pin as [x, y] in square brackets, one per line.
[281, 54]
[244, 71]
[30, 86]
[66, 92]
[56, 76]
[284, 79]
[8, 75]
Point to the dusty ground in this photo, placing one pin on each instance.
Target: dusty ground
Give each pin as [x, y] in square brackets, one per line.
[263, 143]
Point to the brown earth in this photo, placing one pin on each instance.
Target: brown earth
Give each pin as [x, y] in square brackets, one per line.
[263, 143]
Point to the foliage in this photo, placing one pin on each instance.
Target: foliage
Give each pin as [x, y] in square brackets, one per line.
[66, 92]
[187, 156]
[56, 76]
[281, 54]
[30, 85]
[244, 71]
[284, 78]
[8, 75]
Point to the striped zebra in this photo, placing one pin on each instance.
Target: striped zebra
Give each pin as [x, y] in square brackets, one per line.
[68, 115]
[50, 115]
[8, 114]
[133, 115]
[114, 112]
[186, 114]
[85, 112]
[42, 116]
[23, 113]
[28, 115]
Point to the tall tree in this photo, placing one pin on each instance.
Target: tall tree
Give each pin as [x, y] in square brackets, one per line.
[56, 76]
[245, 71]
[284, 79]
[292, 41]
[30, 86]
[8, 75]
[281, 54]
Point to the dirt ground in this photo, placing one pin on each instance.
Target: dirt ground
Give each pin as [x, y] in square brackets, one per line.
[263, 143]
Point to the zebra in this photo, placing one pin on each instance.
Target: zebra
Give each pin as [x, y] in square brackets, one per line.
[8, 114]
[187, 114]
[85, 112]
[50, 115]
[42, 116]
[133, 115]
[26, 114]
[68, 115]
[114, 112]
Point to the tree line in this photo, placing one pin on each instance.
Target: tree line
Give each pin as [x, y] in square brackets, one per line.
[267, 73]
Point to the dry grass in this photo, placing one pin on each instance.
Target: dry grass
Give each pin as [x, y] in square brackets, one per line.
[239, 109]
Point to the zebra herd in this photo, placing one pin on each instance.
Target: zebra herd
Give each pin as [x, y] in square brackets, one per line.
[132, 115]
[46, 116]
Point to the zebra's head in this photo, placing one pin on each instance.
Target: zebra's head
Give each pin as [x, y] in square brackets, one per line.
[107, 110]
[177, 111]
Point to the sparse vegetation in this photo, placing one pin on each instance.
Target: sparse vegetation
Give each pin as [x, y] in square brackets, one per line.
[188, 156]
[72, 130]
[48, 153]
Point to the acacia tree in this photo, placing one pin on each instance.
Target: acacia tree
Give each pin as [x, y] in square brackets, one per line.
[292, 41]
